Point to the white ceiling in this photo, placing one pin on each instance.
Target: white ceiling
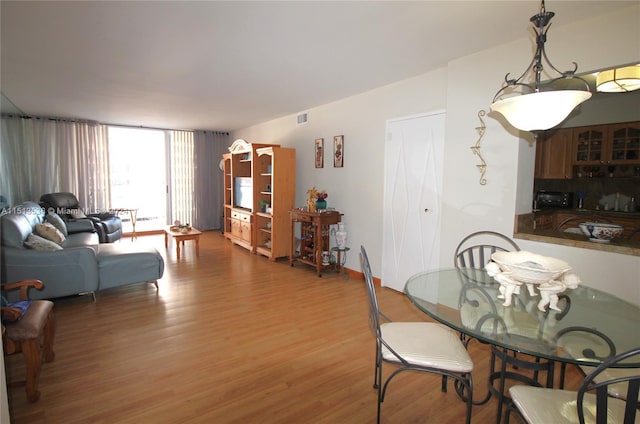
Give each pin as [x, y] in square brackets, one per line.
[228, 65]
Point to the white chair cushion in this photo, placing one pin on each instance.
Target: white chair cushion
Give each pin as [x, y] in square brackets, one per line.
[540, 405]
[618, 390]
[425, 344]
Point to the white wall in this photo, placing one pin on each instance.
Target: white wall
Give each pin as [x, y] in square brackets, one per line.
[356, 190]
[463, 88]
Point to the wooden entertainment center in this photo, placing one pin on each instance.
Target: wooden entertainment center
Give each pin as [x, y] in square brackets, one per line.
[258, 217]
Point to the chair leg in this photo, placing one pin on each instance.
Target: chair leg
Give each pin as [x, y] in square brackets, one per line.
[49, 335]
[376, 381]
[33, 364]
[380, 393]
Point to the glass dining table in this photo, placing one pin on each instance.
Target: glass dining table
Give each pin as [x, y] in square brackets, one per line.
[589, 326]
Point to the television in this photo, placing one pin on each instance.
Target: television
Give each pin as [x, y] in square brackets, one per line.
[243, 193]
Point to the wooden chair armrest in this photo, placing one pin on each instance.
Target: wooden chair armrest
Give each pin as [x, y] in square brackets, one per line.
[9, 313]
[24, 287]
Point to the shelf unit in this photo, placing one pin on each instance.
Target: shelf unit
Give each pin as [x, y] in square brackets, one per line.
[274, 188]
[271, 170]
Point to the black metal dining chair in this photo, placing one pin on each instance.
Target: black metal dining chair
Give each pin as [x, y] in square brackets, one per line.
[592, 402]
[416, 346]
[475, 250]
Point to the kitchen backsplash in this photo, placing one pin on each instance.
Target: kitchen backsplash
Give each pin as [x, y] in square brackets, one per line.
[595, 188]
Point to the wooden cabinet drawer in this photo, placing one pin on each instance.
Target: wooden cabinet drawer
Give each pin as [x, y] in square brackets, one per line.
[242, 216]
[301, 218]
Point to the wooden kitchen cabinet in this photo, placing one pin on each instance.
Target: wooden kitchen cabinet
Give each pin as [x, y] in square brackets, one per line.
[624, 143]
[543, 221]
[611, 144]
[554, 154]
[588, 145]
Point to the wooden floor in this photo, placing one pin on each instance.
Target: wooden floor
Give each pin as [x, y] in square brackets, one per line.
[231, 337]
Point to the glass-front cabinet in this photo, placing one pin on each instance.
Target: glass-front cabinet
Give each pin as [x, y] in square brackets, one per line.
[588, 145]
[625, 143]
[611, 144]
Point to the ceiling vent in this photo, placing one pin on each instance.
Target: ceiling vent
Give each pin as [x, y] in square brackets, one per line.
[302, 118]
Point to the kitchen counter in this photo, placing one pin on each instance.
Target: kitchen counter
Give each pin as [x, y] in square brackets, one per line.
[526, 230]
[592, 212]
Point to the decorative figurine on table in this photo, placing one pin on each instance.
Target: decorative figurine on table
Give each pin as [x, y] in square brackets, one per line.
[508, 286]
[512, 269]
[549, 291]
[312, 195]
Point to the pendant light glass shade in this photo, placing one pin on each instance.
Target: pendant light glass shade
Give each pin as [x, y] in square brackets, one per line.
[619, 80]
[539, 105]
[539, 111]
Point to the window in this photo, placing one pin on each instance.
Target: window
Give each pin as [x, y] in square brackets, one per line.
[138, 175]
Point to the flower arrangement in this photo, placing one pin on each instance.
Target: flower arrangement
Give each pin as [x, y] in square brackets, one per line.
[321, 202]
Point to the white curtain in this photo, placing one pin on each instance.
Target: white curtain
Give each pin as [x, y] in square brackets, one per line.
[182, 171]
[39, 156]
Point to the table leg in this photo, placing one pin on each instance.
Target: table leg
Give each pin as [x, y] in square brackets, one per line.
[166, 240]
[134, 216]
[178, 248]
[197, 245]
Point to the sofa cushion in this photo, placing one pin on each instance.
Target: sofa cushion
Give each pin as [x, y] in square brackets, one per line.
[48, 231]
[15, 230]
[57, 222]
[82, 240]
[77, 213]
[125, 263]
[36, 242]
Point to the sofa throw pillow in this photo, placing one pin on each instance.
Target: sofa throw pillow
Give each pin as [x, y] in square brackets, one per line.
[50, 232]
[77, 214]
[39, 243]
[54, 219]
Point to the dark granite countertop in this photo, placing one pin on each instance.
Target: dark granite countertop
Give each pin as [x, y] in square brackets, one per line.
[525, 231]
[619, 214]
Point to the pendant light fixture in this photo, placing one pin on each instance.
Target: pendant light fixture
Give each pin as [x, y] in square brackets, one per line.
[535, 106]
[619, 80]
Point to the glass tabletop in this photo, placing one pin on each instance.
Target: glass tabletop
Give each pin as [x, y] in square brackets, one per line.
[590, 326]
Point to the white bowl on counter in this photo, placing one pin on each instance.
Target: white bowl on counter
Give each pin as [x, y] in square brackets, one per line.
[601, 232]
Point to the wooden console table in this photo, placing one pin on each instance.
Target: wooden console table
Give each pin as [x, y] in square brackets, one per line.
[314, 236]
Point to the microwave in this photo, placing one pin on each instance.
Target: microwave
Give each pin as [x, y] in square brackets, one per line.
[553, 199]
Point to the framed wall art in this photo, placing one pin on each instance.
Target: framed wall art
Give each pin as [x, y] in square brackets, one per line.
[319, 152]
[338, 151]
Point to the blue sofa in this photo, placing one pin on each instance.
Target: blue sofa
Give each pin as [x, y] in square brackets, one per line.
[82, 265]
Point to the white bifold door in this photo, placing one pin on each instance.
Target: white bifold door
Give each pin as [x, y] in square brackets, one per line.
[414, 154]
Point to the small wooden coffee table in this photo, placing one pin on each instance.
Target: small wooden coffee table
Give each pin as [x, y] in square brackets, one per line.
[180, 237]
